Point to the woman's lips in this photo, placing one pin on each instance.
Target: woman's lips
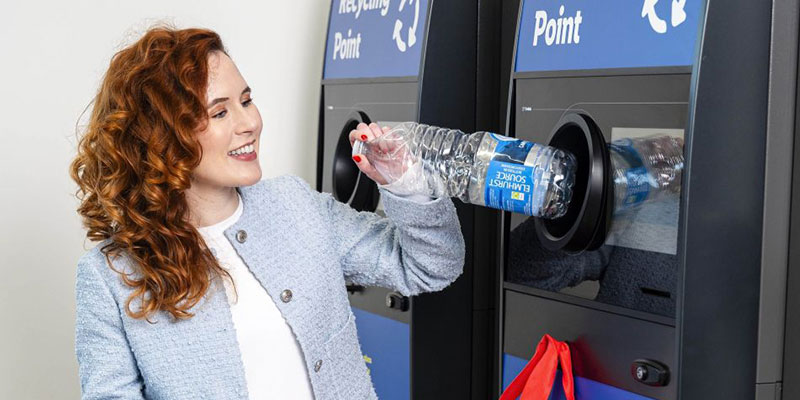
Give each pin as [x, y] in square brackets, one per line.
[245, 157]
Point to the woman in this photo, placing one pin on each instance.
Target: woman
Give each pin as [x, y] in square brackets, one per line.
[209, 283]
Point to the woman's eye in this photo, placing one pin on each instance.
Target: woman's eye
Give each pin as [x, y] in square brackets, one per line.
[247, 102]
[220, 114]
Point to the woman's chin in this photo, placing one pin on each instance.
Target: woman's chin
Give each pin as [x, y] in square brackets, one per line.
[251, 179]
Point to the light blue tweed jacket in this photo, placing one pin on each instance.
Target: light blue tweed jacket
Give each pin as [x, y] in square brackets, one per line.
[294, 238]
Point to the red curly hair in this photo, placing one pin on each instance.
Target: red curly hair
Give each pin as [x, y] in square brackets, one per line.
[134, 163]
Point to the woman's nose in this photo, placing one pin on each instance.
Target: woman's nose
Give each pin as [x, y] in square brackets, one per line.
[247, 119]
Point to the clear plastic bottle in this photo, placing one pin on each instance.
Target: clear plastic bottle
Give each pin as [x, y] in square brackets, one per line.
[645, 169]
[481, 168]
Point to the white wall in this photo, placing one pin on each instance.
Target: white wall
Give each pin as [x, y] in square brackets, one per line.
[53, 57]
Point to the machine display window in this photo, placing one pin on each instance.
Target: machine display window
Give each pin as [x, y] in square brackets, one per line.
[636, 265]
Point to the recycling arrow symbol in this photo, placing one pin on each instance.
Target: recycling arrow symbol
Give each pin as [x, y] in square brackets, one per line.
[658, 24]
[402, 45]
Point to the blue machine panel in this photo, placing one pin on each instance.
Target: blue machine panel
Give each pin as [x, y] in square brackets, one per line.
[386, 347]
[589, 34]
[584, 388]
[375, 38]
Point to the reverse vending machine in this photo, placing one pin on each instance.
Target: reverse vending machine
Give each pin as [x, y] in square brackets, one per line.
[428, 61]
[669, 275]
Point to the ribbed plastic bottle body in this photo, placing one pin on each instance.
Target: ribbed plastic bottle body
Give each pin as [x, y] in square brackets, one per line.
[645, 169]
[480, 168]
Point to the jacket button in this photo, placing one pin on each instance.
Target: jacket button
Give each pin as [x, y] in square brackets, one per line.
[286, 296]
[317, 365]
[241, 236]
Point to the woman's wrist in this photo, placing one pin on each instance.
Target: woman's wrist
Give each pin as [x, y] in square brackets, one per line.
[417, 198]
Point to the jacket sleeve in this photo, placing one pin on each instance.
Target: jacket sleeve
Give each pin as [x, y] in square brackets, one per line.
[106, 365]
[417, 248]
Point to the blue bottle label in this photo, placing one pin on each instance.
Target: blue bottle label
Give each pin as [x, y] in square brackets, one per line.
[510, 184]
[638, 179]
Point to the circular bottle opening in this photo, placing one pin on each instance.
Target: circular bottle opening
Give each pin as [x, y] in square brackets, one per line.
[350, 186]
[584, 226]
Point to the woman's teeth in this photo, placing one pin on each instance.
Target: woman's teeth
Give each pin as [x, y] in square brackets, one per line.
[243, 150]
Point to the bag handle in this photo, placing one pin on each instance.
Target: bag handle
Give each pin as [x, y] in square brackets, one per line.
[535, 382]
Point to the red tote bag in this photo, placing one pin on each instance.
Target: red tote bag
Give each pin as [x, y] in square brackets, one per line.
[536, 380]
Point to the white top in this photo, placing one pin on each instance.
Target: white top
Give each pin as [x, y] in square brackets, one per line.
[273, 362]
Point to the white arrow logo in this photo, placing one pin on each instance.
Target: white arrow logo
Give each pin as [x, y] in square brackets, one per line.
[412, 31]
[678, 12]
[649, 11]
[658, 24]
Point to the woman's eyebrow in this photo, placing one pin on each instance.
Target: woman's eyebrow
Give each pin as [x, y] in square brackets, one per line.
[216, 101]
[221, 99]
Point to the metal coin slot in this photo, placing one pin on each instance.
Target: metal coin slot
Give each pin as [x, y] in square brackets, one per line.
[656, 292]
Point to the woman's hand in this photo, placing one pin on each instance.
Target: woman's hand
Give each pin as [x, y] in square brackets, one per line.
[365, 133]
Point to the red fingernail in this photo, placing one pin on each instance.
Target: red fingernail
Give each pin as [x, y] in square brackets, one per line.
[363, 137]
[356, 158]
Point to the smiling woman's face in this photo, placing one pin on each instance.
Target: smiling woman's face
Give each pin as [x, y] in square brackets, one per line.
[230, 142]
